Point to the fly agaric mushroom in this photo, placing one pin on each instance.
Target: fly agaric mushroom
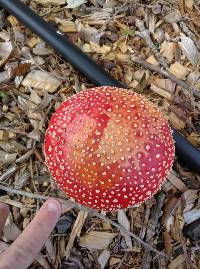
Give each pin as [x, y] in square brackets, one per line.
[109, 148]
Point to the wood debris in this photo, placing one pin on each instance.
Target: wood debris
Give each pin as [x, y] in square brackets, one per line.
[96, 240]
[75, 3]
[167, 49]
[41, 80]
[179, 70]
[6, 48]
[51, 2]
[154, 49]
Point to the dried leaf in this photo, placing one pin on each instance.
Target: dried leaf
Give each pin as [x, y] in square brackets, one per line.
[194, 138]
[82, 215]
[177, 182]
[42, 261]
[41, 49]
[75, 3]
[3, 246]
[167, 49]
[6, 49]
[88, 33]
[123, 220]
[22, 180]
[12, 146]
[32, 42]
[189, 197]
[50, 250]
[22, 69]
[164, 87]
[194, 14]
[66, 26]
[99, 49]
[192, 215]
[6, 200]
[3, 135]
[5, 36]
[6, 158]
[5, 76]
[189, 4]
[152, 60]
[103, 258]
[13, 21]
[169, 209]
[11, 232]
[41, 80]
[168, 243]
[176, 121]
[51, 2]
[179, 70]
[35, 117]
[173, 16]
[189, 49]
[114, 261]
[161, 92]
[96, 240]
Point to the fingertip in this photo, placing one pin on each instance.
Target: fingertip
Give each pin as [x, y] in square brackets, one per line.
[54, 207]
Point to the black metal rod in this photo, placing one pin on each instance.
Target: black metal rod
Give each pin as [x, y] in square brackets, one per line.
[187, 153]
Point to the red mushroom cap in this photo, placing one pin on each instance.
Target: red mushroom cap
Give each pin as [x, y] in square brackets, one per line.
[109, 148]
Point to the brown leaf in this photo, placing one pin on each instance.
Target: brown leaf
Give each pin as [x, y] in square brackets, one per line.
[22, 69]
[168, 243]
[11, 232]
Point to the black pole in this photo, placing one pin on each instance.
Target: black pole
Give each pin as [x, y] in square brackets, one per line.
[189, 155]
[71, 53]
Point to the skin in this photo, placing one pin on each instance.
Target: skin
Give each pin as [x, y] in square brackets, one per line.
[24, 250]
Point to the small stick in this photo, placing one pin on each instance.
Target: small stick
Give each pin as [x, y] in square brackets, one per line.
[145, 34]
[162, 72]
[93, 211]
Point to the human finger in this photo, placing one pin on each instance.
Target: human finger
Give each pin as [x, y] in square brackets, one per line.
[26, 247]
[4, 212]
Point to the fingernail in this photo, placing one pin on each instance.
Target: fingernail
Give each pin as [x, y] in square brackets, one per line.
[54, 207]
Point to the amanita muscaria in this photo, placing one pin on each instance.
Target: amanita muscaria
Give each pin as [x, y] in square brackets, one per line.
[109, 148]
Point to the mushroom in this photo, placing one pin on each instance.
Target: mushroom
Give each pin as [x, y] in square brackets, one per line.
[109, 148]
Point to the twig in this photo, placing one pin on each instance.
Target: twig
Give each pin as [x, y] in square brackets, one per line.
[153, 222]
[162, 72]
[9, 129]
[26, 156]
[122, 261]
[145, 34]
[89, 210]
[8, 172]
